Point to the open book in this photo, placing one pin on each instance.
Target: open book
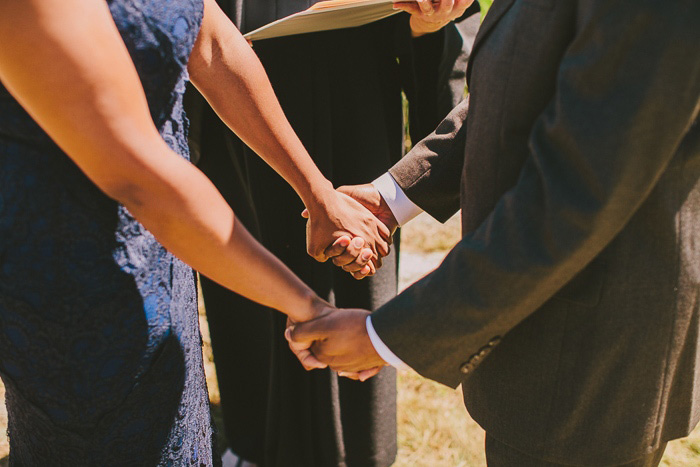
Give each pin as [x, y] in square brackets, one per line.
[324, 16]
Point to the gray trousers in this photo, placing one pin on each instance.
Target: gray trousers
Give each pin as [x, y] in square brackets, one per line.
[502, 455]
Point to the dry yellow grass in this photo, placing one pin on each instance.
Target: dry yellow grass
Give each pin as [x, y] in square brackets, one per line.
[434, 428]
[425, 235]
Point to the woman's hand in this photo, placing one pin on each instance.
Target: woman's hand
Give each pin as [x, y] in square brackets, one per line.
[351, 254]
[335, 216]
[428, 16]
[347, 258]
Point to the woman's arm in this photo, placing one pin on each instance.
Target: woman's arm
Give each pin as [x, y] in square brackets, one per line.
[227, 72]
[66, 64]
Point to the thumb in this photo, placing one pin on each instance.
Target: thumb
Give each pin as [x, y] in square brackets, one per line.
[305, 213]
[308, 332]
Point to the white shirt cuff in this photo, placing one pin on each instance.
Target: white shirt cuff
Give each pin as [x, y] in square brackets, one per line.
[403, 208]
[381, 348]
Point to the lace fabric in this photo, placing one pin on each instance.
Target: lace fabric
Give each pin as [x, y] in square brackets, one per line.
[100, 349]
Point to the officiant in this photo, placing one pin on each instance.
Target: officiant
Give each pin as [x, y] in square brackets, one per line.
[342, 92]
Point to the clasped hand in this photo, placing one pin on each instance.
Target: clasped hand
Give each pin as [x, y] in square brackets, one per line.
[359, 224]
[353, 228]
[337, 339]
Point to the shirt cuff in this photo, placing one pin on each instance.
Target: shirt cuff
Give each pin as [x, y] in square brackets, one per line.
[381, 348]
[403, 208]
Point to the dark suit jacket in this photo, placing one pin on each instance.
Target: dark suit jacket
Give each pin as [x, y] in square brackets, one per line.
[570, 310]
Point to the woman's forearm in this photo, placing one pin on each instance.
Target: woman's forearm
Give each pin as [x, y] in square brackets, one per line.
[227, 72]
[186, 213]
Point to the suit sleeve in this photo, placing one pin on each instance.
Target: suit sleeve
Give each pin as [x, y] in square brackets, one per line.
[430, 174]
[625, 99]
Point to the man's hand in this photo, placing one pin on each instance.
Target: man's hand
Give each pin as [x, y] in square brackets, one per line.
[341, 216]
[430, 16]
[339, 340]
[369, 197]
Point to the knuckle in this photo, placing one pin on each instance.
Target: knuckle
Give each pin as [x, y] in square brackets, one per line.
[321, 258]
[332, 251]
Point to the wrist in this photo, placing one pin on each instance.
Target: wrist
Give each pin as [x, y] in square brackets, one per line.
[319, 196]
[309, 307]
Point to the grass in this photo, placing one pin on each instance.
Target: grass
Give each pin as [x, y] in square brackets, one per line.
[434, 428]
[485, 5]
[424, 235]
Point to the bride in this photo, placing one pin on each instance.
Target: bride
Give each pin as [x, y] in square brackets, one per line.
[102, 216]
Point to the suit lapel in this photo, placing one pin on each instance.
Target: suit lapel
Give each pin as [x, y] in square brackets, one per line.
[498, 9]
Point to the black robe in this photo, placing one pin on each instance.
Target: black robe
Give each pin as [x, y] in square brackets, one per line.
[341, 91]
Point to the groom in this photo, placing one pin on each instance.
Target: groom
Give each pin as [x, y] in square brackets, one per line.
[570, 310]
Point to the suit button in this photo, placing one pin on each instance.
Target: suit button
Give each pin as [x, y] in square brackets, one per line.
[466, 368]
[495, 341]
[483, 353]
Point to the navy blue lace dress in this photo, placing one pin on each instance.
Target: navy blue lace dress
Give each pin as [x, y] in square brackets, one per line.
[100, 349]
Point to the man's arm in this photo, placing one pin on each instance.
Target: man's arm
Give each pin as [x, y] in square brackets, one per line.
[430, 174]
[596, 152]
[625, 100]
